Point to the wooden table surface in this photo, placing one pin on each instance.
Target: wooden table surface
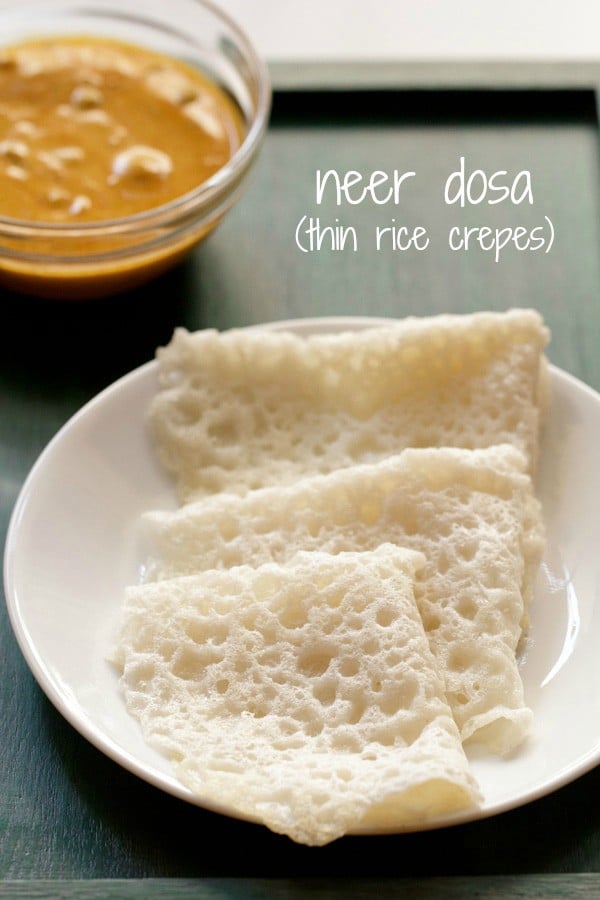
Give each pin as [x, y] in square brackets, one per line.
[72, 822]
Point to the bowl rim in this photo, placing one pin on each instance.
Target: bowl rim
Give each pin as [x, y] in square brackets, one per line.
[208, 193]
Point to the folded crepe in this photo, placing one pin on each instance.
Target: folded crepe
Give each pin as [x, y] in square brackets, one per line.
[250, 408]
[301, 695]
[473, 515]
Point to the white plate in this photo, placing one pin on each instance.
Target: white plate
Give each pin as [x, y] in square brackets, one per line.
[71, 549]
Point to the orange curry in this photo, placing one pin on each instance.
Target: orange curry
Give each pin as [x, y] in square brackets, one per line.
[94, 129]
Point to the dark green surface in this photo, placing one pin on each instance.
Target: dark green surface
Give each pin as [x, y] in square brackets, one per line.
[65, 810]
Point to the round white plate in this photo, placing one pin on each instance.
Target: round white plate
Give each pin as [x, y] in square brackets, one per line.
[72, 548]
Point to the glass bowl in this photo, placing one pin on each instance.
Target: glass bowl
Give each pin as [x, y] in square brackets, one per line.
[92, 259]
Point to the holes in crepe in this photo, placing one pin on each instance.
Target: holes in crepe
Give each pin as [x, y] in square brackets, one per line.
[196, 631]
[385, 738]
[344, 774]
[190, 663]
[459, 659]
[313, 728]
[443, 563]
[385, 616]
[349, 667]
[242, 664]
[315, 660]
[467, 608]
[402, 696]
[294, 615]
[363, 445]
[325, 692]
[345, 741]
[224, 431]
[219, 634]
[468, 550]
[357, 711]
[409, 523]
[186, 412]
[222, 686]
[265, 585]
[432, 622]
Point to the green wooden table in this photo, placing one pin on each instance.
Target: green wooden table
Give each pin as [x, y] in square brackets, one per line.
[71, 821]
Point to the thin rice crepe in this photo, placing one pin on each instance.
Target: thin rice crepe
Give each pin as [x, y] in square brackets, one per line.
[247, 408]
[472, 513]
[302, 695]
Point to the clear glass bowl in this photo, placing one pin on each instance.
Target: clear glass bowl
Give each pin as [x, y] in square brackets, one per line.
[105, 257]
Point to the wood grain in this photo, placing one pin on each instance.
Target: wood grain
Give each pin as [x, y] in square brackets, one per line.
[531, 887]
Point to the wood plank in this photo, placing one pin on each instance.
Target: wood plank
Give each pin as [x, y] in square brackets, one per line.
[496, 887]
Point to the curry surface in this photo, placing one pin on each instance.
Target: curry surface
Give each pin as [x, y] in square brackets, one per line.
[94, 129]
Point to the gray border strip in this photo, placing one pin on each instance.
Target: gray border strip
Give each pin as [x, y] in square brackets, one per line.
[434, 75]
[577, 886]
